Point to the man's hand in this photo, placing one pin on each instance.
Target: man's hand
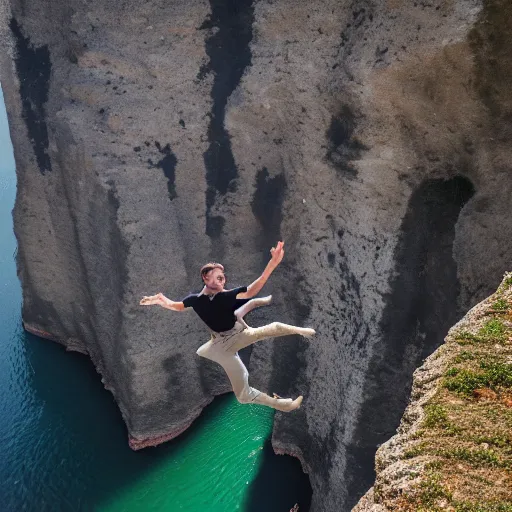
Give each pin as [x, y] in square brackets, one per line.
[277, 253]
[254, 288]
[158, 299]
[161, 300]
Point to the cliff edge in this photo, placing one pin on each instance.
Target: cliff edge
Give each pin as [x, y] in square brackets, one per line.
[453, 448]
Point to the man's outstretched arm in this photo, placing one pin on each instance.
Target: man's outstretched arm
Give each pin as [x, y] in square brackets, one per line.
[161, 300]
[254, 288]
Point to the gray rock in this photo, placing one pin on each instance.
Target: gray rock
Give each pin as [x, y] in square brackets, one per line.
[139, 158]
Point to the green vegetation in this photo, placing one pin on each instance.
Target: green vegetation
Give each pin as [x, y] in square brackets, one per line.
[415, 451]
[465, 337]
[506, 284]
[431, 490]
[493, 330]
[474, 457]
[500, 440]
[435, 416]
[493, 376]
[464, 356]
[435, 464]
[501, 305]
[475, 507]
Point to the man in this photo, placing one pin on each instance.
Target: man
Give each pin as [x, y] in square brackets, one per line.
[223, 311]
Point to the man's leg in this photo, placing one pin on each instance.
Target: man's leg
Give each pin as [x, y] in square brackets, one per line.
[245, 394]
[249, 305]
[239, 378]
[253, 334]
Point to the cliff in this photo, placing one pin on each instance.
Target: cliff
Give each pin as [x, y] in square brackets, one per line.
[452, 450]
[372, 136]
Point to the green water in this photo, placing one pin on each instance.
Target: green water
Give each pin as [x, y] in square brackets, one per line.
[210, 472]
[63, 445]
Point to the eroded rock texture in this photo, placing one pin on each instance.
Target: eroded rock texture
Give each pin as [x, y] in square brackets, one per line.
[150, 137]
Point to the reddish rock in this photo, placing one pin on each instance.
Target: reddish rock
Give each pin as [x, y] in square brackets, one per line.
[484, 394]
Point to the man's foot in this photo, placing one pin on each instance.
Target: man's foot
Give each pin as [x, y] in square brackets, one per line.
[287, 404]
[307, 332]
[263, 301]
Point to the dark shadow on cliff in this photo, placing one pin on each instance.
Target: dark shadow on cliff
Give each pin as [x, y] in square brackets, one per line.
[33, 66]
[279, 485]
[344, 148]
[420, 309]
[228, 48]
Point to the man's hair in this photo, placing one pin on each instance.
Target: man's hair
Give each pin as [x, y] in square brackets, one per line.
[210, 266]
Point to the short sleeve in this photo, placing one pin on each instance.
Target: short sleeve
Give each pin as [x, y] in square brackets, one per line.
[189, 301]
[235, 291]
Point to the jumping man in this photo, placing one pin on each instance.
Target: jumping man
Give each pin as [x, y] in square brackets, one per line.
[223, 311]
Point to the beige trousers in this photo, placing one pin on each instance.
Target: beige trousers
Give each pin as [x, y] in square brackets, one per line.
[223, 349]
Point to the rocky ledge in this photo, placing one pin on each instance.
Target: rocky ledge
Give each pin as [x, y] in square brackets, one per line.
[453, 448]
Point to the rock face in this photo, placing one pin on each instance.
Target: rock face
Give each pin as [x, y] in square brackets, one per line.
[373, 136]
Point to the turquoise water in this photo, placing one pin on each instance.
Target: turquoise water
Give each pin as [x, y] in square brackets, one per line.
[63, 445]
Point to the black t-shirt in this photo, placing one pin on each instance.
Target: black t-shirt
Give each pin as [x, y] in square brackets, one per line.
[216, 313]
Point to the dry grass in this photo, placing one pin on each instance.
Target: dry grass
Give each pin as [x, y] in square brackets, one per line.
[466, 433]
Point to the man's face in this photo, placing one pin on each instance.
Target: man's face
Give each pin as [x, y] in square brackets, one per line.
[215, 280]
